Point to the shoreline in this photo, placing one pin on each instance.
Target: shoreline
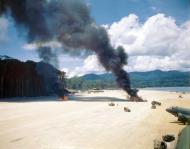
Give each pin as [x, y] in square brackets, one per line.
[184, 89]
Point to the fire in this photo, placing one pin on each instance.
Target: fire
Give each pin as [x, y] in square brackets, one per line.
[64, 98]
[134, 96]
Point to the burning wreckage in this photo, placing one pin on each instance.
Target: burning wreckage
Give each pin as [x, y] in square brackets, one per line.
[135, 97]
[53, 79]
[67, 23]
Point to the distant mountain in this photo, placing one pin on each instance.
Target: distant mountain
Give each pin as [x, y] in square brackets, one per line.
[4, 57]
[160, 78]
[105, 76]
[156, 78]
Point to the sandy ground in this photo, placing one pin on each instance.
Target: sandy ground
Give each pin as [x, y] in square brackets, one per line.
[87, 122]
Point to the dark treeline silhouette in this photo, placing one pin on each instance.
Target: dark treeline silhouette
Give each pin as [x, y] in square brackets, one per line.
[20, 79]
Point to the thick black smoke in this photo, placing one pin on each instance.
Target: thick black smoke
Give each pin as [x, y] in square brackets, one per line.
[50, 75]
[68, 22]
[48, 55]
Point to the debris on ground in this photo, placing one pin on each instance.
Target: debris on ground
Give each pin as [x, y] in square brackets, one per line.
[156, 103]
[168, 138]
[126, 109]
[180, 96]
[95, 90]
[162, 144]
[153, 107]
[111, 104]
[159, 144]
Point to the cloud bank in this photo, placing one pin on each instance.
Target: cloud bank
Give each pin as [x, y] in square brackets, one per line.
[158, 43]
[90, 65]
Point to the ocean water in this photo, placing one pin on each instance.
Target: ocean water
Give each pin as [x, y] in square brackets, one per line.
[171, 89]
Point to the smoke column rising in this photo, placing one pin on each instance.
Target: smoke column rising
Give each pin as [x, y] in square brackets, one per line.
[68, 22]
[52, 82]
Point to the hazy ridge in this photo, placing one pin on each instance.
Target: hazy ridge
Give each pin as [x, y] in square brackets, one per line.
[156, 78]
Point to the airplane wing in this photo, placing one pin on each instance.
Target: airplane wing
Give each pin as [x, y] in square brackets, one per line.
[184, 118]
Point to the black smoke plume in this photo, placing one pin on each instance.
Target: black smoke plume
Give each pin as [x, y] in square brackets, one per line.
[50, 75]
[68, 22]
[48, 55]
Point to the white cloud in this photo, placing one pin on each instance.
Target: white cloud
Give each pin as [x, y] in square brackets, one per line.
[158, 43]
[34, 46]
[30, 46]
[90, 65]
[3, 29]
[154, 9]
[148, 63]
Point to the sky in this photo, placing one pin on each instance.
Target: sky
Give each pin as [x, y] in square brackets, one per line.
[154, 33]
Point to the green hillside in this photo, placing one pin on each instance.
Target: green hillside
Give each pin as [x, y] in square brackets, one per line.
[155, 78]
